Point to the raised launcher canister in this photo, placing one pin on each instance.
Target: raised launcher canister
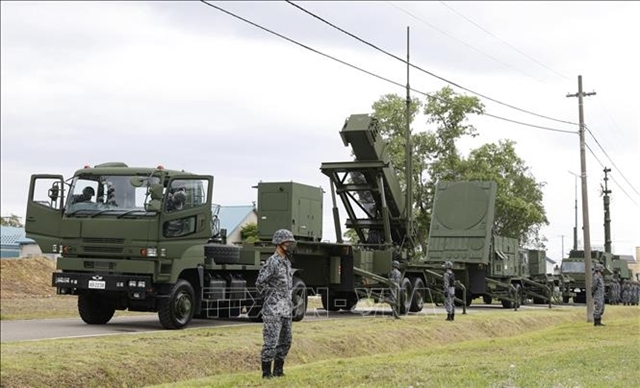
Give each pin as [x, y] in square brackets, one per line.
[369, 183]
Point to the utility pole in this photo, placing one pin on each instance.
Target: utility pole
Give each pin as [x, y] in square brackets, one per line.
[607, 214]
[585, 201]
[408, 174]
[575, 207]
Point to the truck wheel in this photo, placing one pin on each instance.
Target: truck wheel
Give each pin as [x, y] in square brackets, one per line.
[507, 304]
[487, 299]
[222, 254]
[405, 296]
[417, 301]
[565, 299]
[95, 309]
[176, 311]
[299, 299]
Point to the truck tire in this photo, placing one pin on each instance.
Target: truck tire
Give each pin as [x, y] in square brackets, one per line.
[222, 254]
[487, 299]
[417, 300]
[176, 311]
[94, 309]
[299, 298]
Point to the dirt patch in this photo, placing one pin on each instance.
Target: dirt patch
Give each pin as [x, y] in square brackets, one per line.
[26, 278]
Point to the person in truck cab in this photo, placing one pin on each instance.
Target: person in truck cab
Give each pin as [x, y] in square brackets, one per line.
[86, 196]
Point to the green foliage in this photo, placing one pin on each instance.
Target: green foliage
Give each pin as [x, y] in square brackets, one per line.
[12, 220]
[249, 232]
[435, 157]
[350, 236]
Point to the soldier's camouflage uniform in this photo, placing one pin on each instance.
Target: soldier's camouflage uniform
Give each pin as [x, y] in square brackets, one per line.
[626, 293]
[449, 293]
[615, 292]
[275, 284]
[597, 291]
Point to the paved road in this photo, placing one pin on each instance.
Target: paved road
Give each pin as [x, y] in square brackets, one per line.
[37, 329]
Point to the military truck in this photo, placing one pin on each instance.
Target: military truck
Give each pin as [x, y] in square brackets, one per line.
[147, 241]
[490, 266]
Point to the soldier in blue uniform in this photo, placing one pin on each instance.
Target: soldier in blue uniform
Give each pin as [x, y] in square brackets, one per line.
[449, 290]
[597, 291]
[275, 284]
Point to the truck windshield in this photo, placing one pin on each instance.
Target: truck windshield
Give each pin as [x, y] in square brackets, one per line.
[572, 267]
[91, 195]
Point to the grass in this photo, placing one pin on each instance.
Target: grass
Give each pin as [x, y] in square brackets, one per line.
[501, 348]
[347, 352]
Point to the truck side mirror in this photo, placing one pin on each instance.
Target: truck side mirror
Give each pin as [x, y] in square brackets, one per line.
[136, 181]
[153, 206]
[54, 192]
[156, 191]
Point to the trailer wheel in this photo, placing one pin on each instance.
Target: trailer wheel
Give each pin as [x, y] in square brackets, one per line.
[405, 296]
[565, 299]
[299, 298]
[222, 254]
[507, 304]
[487, 299]
[95, 309]
[417, 300]
[176, 311]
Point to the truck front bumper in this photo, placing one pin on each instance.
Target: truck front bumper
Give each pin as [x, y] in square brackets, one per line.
[137, 286]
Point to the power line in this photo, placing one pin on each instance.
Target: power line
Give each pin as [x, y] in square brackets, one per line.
[607, 155]
[425, 71]
[461, 41]
[363, 70]
[502, 40]
[603, 166]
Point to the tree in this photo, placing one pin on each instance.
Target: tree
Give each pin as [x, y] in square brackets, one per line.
[12, 220]
[249, 233]
[436, 157]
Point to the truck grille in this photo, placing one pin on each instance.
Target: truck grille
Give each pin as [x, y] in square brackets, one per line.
[102, 240]
[103, 249]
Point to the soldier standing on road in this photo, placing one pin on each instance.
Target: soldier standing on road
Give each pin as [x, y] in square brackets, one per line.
[615, 291]
[597, 291]
[275, 284]
[449, 290]
[395, 276]
[626, 292]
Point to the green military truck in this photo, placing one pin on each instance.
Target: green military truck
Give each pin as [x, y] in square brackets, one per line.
[145, 239]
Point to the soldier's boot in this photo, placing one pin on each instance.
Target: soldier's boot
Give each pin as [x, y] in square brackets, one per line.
[448, 317]
[278, 367]
[600, 322]
[453, 315]
[266, 370]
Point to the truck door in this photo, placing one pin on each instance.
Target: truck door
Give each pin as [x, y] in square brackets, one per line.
[186, 213]
[44, 210]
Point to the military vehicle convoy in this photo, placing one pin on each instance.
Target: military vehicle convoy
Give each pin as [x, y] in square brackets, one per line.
[146, 239]
[573, 267]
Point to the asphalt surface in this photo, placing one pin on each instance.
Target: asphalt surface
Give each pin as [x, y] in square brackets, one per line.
[57, 328]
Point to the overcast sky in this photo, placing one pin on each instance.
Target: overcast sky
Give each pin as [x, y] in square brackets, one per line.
[187, 86]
